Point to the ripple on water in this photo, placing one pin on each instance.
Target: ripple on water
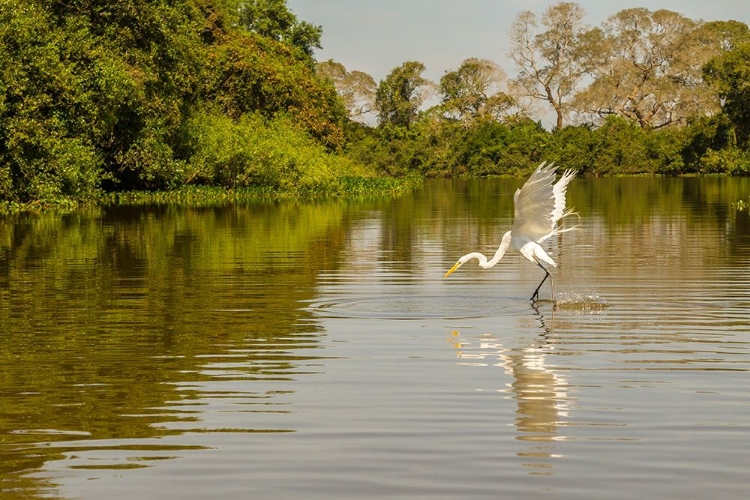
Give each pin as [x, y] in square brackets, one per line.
[416, 307]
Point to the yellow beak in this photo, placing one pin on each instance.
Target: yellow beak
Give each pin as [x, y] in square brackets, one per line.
[450, 271]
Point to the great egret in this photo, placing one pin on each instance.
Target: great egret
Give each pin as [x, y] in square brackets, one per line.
[539, 205]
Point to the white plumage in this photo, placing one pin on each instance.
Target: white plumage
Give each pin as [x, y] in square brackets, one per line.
[538, 207]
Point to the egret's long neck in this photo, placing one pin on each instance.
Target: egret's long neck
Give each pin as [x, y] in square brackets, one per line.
[504, 244]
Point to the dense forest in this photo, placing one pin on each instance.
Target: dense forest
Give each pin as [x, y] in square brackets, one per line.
[647, 92]
[99, 97]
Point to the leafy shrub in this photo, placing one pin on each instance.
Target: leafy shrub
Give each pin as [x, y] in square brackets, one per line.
[250, 73]
[726, 161]
[257, 151]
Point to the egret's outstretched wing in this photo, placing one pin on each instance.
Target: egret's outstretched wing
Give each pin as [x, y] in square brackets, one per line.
[558, 191]
[540, 204]
[534, 205]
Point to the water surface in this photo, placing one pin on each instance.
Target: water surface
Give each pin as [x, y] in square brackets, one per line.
[315, 350]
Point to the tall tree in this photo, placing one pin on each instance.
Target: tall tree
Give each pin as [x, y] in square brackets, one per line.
[728, 34]
[273, 19]
[729, 74]
[356, 88]
[400, 95]
[549, 62]
[646, 66]
[474, 90]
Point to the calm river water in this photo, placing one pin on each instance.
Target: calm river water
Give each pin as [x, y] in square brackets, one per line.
[315, 351]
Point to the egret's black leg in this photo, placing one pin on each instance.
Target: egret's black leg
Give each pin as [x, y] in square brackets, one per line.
[535, 296]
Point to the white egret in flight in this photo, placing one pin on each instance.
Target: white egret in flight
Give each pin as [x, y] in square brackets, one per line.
[539, 205]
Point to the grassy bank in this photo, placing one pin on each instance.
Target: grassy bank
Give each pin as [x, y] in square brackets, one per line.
[346, 188]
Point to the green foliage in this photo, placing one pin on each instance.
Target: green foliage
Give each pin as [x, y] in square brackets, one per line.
[438, 148]
[215, 196]
[494, 148]
[250, 73]
[726, 161]
[707, 134]
[575, 148]
[400, 95]
[273, 19]
[472, 91]
[42, 110]
[104, 95]
[665, 151]
[620, 148]
[253, 151]
[388, 150]
[730, 74]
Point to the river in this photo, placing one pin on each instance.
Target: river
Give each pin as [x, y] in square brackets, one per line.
[314, 350]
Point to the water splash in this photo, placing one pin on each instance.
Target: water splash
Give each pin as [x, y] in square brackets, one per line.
[585, 301]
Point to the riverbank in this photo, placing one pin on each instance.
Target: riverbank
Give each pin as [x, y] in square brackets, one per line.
[345, 188]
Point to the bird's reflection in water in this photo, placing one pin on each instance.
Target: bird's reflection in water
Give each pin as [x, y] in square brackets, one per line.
[541, 394]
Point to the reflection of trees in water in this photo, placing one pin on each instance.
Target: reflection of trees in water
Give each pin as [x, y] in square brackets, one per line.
[474, 213]
[653, 218]
[114, 319]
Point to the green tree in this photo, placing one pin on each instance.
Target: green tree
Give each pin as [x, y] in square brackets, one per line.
[474, 90]
[400, 95]
[46, 113]
[273, 19]
[250, 73]
[729, 74]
